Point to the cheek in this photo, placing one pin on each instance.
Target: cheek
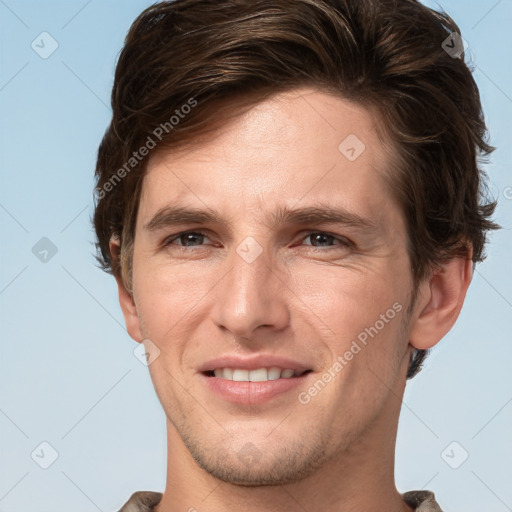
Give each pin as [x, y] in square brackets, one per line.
[168, 296]
[358, 319]
[369, 349]
[346, 301]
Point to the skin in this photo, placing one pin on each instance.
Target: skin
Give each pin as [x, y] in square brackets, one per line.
[305, 297]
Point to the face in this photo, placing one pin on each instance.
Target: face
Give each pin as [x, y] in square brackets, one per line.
[274, 254]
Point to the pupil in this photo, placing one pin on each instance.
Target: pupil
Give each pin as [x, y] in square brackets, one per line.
[189, 237]
[320, 236]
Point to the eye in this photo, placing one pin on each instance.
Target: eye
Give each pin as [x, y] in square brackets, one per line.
[321, 238]
[186, 239]
[318, 239]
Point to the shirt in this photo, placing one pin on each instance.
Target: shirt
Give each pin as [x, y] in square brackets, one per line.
[145, 501]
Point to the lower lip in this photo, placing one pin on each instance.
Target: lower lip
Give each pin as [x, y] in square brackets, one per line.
[249, 393]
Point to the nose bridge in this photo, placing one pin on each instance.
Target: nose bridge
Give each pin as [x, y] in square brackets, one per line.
[251, 265]
[249, 296]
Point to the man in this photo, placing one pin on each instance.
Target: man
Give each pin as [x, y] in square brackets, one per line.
[288, 198]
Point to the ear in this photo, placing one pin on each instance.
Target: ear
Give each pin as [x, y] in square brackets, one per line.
[126, 301]
[439, 302]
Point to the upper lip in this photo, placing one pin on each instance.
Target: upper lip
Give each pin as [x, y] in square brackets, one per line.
[253, 363]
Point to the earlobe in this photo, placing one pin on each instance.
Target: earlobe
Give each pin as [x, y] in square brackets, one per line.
[439, 302]
[126, 301]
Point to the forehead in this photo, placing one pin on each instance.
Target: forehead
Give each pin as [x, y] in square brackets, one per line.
[303, 146]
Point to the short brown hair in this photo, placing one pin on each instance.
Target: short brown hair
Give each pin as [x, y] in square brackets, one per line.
[225, 55]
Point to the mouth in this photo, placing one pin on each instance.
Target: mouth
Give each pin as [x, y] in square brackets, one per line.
[255, 375]
[254, 380]
[250, 387]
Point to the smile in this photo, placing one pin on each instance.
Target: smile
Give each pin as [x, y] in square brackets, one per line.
[256, 375]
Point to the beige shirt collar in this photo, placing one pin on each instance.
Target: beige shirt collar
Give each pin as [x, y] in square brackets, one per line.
[145, 501]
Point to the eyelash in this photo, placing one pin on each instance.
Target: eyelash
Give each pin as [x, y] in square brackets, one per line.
[344, 242]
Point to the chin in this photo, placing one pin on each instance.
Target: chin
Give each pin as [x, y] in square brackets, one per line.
[252, 467]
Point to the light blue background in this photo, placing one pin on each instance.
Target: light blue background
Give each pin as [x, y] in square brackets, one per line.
[68, 374]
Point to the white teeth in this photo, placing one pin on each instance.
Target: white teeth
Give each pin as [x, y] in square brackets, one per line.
[241, 375]
[274, 373]
[257, 375]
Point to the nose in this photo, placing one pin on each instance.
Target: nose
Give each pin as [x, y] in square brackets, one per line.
[253, 294]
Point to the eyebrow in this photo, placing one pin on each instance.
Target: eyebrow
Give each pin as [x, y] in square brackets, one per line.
[173, 215]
